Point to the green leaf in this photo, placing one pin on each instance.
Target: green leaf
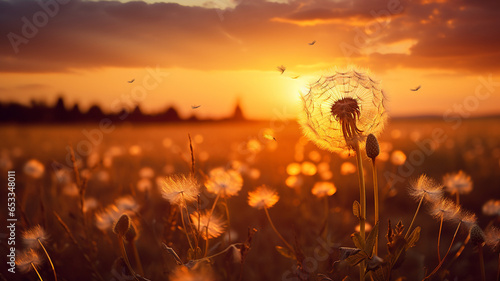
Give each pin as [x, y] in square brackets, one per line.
[358, 241]
[285, 252]
[353, 260]
[413, 238]
[370, 241]
[355, 209]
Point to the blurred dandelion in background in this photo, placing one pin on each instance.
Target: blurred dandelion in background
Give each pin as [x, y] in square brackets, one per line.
[342, 108]
[492, 208]
[457, 183]
[227, 183]
[262, 197]
[347, 168]
[398, 158]
[34, 168]
[323, 188]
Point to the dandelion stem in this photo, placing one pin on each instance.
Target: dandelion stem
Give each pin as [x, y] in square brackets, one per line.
[37, 273]
[228, 221]
[375, 198]
[481, 262]
[125, 257]
[276, 231]
[414, 216]
[362, 195]
[439, 238]
[458, 198]
[208, 223]
[48, 257]
[185, 229]
[137, 259]
[447, 252]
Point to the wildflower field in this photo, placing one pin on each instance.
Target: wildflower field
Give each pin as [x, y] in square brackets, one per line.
[297, 226]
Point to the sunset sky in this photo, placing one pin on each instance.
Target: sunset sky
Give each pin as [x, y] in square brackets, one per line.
[213, 53]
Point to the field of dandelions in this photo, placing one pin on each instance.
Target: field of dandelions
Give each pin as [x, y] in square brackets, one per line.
[258, 200]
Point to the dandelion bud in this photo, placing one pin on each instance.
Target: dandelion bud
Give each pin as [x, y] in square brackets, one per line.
[122, 225]
[476, 235]
[372, 147]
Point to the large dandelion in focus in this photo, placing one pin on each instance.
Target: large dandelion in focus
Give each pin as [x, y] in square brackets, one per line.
[342, 109]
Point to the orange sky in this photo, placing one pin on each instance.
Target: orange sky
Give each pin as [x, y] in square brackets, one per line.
[212, 53]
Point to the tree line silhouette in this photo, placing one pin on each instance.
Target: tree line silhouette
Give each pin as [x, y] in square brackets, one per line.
[41, 113]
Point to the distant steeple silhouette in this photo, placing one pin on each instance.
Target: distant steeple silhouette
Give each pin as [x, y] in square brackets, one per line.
[238, 112]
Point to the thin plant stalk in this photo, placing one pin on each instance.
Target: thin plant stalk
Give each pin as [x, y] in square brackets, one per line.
[48, 257]
[185, 229]
[481, 263]
[439, 238]
[414, 216]
[376, 203]
[498, 269]
[228, 220]
[125, 257]
[276, 230]
[208, 224]
[37, 273]
[362, 195]
[458, 198]
[447, 252]
[137, 259]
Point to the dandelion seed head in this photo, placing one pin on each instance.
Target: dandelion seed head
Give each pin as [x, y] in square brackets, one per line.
[32, 235]
[427, 188]
[445, 208]
[467, 218]
[25, 259]
[492, 238]
[342, 109]
[460, 183]
[180, 189]
[323, 188]
[262, 197]
[216, 225]
[225, 182]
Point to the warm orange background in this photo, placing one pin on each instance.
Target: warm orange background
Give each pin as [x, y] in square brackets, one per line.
[220, 51]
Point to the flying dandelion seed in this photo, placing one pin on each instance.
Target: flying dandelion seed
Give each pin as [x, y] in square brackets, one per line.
[180, 190]
[28, 260]
[342, 109]
[225, 182]
[262, 197]
[323, 188]
[34, 168]
[216, 224]
[427, 188]
[458, 183]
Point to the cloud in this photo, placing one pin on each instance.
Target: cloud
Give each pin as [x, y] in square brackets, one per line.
[253, 35]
